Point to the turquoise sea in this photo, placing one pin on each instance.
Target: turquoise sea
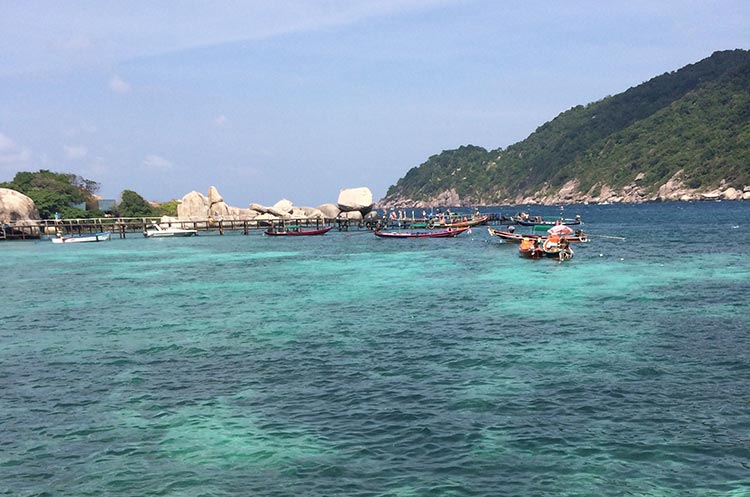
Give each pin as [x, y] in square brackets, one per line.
[354, 366]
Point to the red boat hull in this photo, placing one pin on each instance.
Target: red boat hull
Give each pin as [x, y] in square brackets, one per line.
[447, 233]
[322, 231]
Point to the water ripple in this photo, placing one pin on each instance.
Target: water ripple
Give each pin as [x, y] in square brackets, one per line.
[240, 366]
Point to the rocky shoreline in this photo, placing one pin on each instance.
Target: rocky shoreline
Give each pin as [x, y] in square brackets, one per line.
[634, 193]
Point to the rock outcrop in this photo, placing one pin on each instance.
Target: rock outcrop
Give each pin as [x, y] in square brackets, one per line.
[355, 199]
[194, 205]
[17, 208]
[284, 205]
[331, 211]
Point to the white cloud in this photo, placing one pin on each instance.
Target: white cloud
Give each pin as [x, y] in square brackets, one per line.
[75, 151]
[221, 121]
[156, 162]
[97, 33]
[119, 85]
[16, 159]
[6, 143]
[12, 157]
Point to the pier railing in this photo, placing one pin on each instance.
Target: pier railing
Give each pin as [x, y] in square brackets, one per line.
[124, 226]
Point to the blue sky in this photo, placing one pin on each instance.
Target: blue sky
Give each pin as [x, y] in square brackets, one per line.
[298, 99]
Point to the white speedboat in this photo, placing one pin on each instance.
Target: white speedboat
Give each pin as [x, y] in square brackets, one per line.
[156, 231]
[89, 237]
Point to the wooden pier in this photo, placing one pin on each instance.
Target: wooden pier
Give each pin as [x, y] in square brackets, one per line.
[124, 227]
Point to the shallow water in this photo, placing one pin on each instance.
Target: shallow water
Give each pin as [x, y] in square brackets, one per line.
[351, 365]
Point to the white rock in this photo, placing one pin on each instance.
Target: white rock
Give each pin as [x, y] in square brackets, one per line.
[731, 194]
[330, 211]
[15, 206]
[351, 215]
[284, 205]
[193, 206]
[355, 199]
[313, 213]
[213, 196]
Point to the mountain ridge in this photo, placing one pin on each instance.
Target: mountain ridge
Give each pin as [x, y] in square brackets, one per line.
[683, 135]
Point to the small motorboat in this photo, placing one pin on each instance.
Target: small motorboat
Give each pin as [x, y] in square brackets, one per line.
[88, 237]
[156, 231]
[296, 231]
[446, 233]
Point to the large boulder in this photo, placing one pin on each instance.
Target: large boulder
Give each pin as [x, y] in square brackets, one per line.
[355, 199]
[220, 210]
[217, 208]
[283, 205]
[732, 194]
[278, 213]
[214, 197]
[330, 211]
[193, 206]
[15, 206]
[242, 214]
[351, 216]
[673, 189]
[313, 213]
[299, 213]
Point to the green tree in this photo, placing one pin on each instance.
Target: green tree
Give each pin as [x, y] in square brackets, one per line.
[168, 208]
[133, 205]
[54, 192]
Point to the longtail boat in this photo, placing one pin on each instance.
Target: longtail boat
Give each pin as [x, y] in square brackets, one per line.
[434, 223]
[446, 233]
[295, 231]
[553, 246]
[546, 221]
[578, 237]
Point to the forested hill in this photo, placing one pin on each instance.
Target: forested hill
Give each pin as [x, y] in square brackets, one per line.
[681, 135]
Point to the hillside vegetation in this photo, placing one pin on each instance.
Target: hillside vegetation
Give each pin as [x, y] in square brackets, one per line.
[681, 133]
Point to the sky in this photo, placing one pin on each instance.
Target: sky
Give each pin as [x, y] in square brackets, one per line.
[298, 99]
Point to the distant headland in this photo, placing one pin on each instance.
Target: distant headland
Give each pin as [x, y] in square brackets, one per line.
[681, 136]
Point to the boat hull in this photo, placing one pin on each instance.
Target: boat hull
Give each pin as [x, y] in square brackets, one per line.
[319, 232]
[156, 231]
[434, 224]
[517, 237]
[93, 237]
[565, 222]
[447, 233]
[170, 234]
[552, 247]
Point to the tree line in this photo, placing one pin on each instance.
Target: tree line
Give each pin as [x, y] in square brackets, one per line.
[61, 193]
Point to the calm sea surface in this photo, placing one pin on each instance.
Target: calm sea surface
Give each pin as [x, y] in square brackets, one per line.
[354, 366]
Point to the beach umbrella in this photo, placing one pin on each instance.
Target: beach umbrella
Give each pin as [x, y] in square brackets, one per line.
[560, 229]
